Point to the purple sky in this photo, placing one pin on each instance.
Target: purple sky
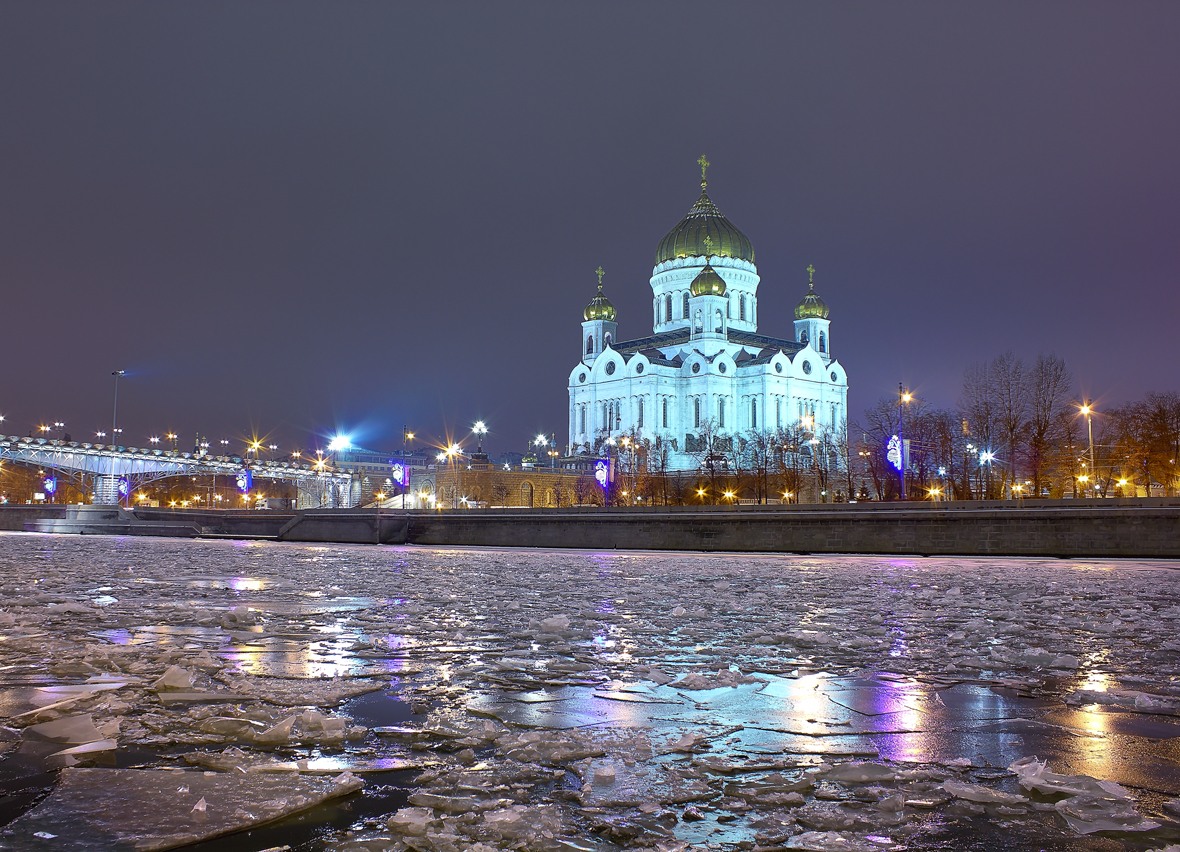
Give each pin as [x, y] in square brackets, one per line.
[284, 217]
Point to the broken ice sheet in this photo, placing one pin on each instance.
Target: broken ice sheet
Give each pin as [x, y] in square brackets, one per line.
[152, 809]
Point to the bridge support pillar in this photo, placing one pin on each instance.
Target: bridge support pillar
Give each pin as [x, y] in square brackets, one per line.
[310, 494]
[106, 490]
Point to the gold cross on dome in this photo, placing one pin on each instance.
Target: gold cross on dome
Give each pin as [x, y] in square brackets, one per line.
[600, 274]
[811, 275]
[704, 164]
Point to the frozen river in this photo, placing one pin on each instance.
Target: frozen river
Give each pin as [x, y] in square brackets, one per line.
[161, 692]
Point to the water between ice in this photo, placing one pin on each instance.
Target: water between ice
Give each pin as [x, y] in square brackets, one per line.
[364, 698]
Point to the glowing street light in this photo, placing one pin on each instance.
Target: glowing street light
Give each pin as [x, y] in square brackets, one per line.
[479, 430]
[1087, 409]
[904, 398]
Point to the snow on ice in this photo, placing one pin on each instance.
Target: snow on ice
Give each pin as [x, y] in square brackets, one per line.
[577, 701]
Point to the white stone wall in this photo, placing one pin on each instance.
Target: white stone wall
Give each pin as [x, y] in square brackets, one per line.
[606, 397]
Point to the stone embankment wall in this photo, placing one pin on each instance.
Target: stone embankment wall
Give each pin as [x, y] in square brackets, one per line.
[1131, 528]
[1143, 528]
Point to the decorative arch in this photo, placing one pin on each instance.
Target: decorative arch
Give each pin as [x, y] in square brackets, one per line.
[822, 342]
[668, 308]
[685, 309]
[526, 494]
[590, 345]
[742, 307]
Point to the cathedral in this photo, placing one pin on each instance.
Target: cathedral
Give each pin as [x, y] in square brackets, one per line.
[705, 383]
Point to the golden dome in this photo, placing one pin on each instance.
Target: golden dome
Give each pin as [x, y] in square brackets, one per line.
[600, 307]
[688, 239]
[812, 306]
[707, 283]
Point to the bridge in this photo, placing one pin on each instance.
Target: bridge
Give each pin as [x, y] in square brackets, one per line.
[115, 472]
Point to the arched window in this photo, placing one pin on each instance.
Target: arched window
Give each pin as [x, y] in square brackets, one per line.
[639, 414]
[720, 323]
[686, 305]
[664, 413]
[742, 307]
[700, 321]
[606, 340]
[590, 345]
[821, 342]
[803, 337]
[582, 419]
[753, 414]
[668, 308]
[696, 412]
[721, 412]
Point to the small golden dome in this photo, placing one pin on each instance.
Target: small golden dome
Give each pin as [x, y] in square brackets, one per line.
[707, 283]
[812, 306]
[600, 307]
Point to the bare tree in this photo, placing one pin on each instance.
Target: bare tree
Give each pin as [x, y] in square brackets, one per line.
[1010, 385]
[1050, 388]
[758, 458]
[1150, 431]
[980, 409]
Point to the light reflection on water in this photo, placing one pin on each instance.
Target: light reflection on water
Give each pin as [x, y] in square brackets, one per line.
[465, 634]
[247, 584]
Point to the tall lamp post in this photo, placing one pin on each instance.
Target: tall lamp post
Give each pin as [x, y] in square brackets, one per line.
[407, 436]
[903, 399]
[1088, 410]
[118, 374]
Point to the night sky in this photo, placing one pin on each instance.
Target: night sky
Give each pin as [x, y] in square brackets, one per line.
[284, 218]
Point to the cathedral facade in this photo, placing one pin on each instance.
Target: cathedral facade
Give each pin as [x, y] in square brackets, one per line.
[705, 384]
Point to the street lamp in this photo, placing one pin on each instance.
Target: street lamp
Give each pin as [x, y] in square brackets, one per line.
[986, 457]
[1088, 410]
[479, 430]
[118, 374]
[903, 399]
